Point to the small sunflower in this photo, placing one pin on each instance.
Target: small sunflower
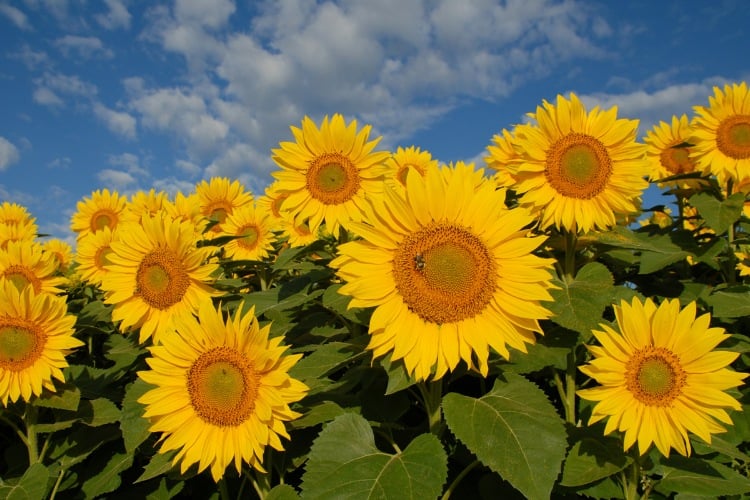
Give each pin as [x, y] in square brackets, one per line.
[328, 171]
[450, 272]
[187, 208]
[222, 391]
[252, 228]
[102, 208]
[142, 202]
[25, 263]
[406, 160]
[156, 274]
[218, 198]
[92, 250]
[61, 252]
[503, 157]
[580, 170]
[668, 152]
[36, 334]
[13, 213]
[721, 134]
[22, 231]
[660, 376]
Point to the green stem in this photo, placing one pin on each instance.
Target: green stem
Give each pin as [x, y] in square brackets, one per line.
[223, 489]
[570, 387]
[30, 417]
[458, 479]
[60, 476]
[432, 396]
[571, 239]
[732, 264]
[631, 478]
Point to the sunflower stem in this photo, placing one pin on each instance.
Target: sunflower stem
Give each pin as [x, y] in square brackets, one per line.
[458, 479]
[570, 255]
[732, 264]
[30, 418]
[432, 396]
[570, 387]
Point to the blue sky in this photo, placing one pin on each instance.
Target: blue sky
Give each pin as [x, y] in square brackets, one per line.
[133, 95]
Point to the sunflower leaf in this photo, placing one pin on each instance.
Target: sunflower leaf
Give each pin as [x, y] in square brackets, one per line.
[514, 430]
[282, 492]
[345, 463]
[108, 479]
[719, 215]
[32, 485]
[133, 426]
[693, 476]
[730, 303]
[593, 457]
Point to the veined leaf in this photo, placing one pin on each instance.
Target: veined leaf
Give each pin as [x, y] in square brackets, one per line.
[693, 476]
[31, 486]
[719, 215]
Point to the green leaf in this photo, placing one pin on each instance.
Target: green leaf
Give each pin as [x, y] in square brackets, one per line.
[666, 249]
[344, 463]
[323, 360]
[319, 414]
[282, 492]
[592, 458]
[133, 426]
[719, 215]
[67, 397]
[694, 476]
[514, 430]
[75, 446]
[123, 350]
[730, 303]
[31, 486]
[398, 377]
[98, 412]
[160, 464]
[109, 478]
[579, 305]
[551, 349]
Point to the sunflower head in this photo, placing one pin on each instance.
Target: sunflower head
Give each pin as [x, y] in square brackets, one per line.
[25, 263]
[218, 197]
[668, 151]
[102, 209]
[405, 160]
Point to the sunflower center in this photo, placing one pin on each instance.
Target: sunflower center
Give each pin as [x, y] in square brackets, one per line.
[677, 160]
[332, 179]
[102, 219]
[21, 343]
[249, 239]
[733, 136]
[578, 166]
[223, 387]
[21, 277]
[444, 273]
[655, 376]
[161, 279]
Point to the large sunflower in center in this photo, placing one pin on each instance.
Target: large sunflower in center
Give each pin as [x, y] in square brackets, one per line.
[579, 169]
[327, 172]
[449, 270]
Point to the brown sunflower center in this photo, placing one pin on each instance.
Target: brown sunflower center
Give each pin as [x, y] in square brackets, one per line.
[22, 276]
[654, 376]
[578, 166]
[444, 273]
[332, 179]
[103, 218]
[250, 235]
[733, 136]
[223, 386]
[21, 343]
[677, 160]
[161, 279]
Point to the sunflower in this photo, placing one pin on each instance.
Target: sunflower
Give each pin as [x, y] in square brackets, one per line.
[222, 391]
[218, 198]
[503, 157]
[61, 252]
[660, 376]
[156, 273]
[13, 213]
[187, 208]
[36, 334]
[743, 260]
[450, 272]
[22, 231]
[406, 160]
[252, 228]
[25, 263]
[142, 202]
[580, 170]
[668, 151]
[721, 134]
[327, 172]
[92, 251]
[102, 208]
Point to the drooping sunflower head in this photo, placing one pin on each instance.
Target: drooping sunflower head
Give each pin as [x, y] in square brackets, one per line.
[327, 172]
[668, 151]
[721, 134]
[449, 270]
[661, 376]
[219, 197]
[26, 264]
[580, 170]
[251, 227]
[156, 273]
[36, 334]
[222, 390]
[102, 208]
[405, 160]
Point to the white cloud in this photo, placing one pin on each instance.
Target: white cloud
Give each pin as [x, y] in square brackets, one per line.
[188, 167]
[30, 58]
[212, 15]
[16, 16]
[116, 179]
[8, 153]
[118, 122]
[116, 17]
[130, 162]
[46, 97]
[85, 47]
[244, 162]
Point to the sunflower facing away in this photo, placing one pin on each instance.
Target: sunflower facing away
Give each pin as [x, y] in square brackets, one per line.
[450, 272]
[721, 134]
[579, 169]
[669, 154]
[222, 391]
[328, 171]
[102, 208]
[156, 274]
[36, 334]
[661, 377]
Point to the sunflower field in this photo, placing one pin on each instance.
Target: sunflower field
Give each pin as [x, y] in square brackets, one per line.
[379, 325]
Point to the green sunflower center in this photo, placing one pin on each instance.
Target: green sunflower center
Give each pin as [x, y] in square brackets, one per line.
[250, 235]
[332, 179]
[444, 273]
[161, 279]
[223, 386]
[733, 136]
[21, 343]
[655, 376]
[102, 219]
[578, 166]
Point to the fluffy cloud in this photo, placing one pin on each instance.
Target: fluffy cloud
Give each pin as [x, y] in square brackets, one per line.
[8, 153]
[16, 16]
[83, 47]
[117, 15]
[118, 122]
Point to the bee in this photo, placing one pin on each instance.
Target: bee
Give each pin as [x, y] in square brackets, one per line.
[419, 262]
